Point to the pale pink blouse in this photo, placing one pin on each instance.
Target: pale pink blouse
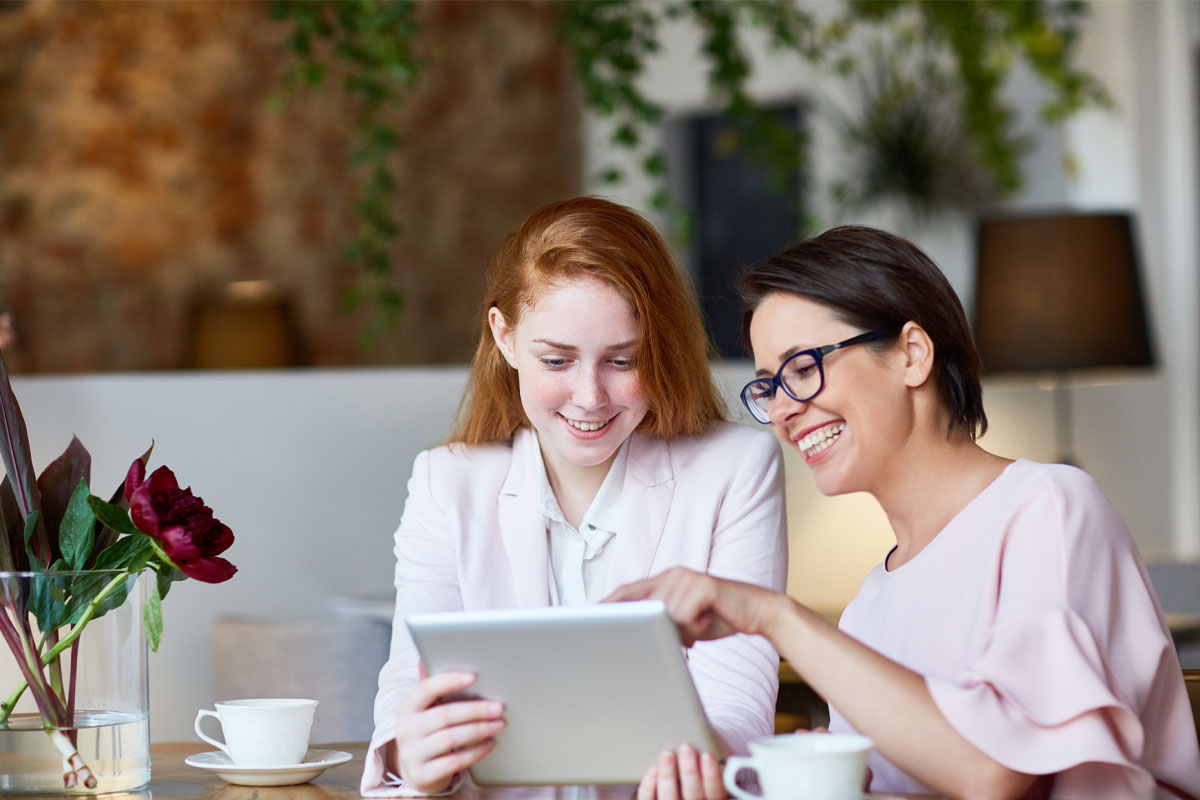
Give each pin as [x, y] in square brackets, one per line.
[1033, 621]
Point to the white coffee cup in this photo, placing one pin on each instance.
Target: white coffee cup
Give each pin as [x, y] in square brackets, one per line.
[803, 766]
[262, 732]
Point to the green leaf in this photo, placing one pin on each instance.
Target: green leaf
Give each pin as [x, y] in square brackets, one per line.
[30, 526]
[128, 552]
[46, 597]
[655, 164]
[611, 175]
[166, 577]
[85, 589]
[56, 483]
[314, 73]
[161, 554]
[152, 620]
[77, 531]
[112, 516]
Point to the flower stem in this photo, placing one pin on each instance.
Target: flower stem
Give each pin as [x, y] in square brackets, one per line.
[55, 668]
[90, 611]
[6, 708]
[54, 714]
[16, 641]
[77, 770]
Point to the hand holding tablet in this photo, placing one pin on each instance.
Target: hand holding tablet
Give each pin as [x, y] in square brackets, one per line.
[435, 739]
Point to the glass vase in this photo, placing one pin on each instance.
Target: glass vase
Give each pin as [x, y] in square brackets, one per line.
[101, 677]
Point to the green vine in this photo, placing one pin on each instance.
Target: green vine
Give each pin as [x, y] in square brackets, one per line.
[372, 40]
[612, 40]
[974, 45]
[914, 146]
[986, 38]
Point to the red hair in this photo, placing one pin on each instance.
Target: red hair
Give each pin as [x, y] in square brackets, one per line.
[591, 238]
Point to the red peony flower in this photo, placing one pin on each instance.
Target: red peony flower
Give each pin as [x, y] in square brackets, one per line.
[182, 524]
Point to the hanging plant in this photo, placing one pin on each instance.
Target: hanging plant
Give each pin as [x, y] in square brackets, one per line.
[914, 144]
[906, 142]
[372, 40]
[973, 45]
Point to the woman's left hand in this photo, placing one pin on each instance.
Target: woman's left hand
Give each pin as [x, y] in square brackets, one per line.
[683, 774]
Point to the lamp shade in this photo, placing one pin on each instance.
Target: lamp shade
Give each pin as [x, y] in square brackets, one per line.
[1059, 293]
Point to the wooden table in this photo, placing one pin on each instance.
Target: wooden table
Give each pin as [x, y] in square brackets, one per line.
[174, 779]
[171, 778]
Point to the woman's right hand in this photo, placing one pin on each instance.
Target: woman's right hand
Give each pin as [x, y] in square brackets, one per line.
[436, 739]
[704, 607]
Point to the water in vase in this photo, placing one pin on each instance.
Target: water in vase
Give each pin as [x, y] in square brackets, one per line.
[116, 746]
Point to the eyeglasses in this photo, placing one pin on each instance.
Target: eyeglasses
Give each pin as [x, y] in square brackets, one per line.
[801, 376]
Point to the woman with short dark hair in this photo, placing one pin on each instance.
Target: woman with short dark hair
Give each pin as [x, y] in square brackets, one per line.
[1009, 644]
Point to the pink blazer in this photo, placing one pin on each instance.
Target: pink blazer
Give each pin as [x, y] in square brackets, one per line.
[473, 536]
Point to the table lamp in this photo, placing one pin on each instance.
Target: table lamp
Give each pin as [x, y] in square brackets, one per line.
[1056, 294]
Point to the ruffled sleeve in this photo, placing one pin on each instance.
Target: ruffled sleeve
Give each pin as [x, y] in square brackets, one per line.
[1077, 675]
[1067, 717]
[1032, 621]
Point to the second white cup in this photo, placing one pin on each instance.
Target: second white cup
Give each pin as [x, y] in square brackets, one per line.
[803, 766]
[262, 732]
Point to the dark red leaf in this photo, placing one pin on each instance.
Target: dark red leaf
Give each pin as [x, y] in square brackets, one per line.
[56, 483]
[14, 526]
[18, 462]
[12, 535]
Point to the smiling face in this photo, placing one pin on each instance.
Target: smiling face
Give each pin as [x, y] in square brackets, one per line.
[850, 433]
[574, 353]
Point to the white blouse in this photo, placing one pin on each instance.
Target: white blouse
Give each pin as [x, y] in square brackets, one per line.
[579, 558]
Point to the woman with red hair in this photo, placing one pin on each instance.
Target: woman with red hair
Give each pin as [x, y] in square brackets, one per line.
[591, 450]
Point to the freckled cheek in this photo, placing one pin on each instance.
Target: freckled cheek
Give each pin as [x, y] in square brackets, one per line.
[543, 395]
[626, 390]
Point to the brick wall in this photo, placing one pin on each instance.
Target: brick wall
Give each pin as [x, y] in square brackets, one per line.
[141, 165]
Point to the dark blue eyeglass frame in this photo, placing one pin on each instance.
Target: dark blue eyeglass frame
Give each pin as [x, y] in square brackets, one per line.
[771, 385]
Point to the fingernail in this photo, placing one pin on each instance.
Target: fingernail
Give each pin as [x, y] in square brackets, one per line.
[495, 708]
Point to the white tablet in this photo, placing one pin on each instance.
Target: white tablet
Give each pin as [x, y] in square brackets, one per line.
[592, 693]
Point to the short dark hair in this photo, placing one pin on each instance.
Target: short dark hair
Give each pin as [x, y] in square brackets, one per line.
[874, 279]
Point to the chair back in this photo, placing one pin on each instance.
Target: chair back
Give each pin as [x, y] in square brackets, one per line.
[1191, 679]
[335, 662]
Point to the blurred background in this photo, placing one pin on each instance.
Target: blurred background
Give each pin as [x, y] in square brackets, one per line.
[257, 233]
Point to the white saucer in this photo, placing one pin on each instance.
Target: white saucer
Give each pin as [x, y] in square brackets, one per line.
[315, 762]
